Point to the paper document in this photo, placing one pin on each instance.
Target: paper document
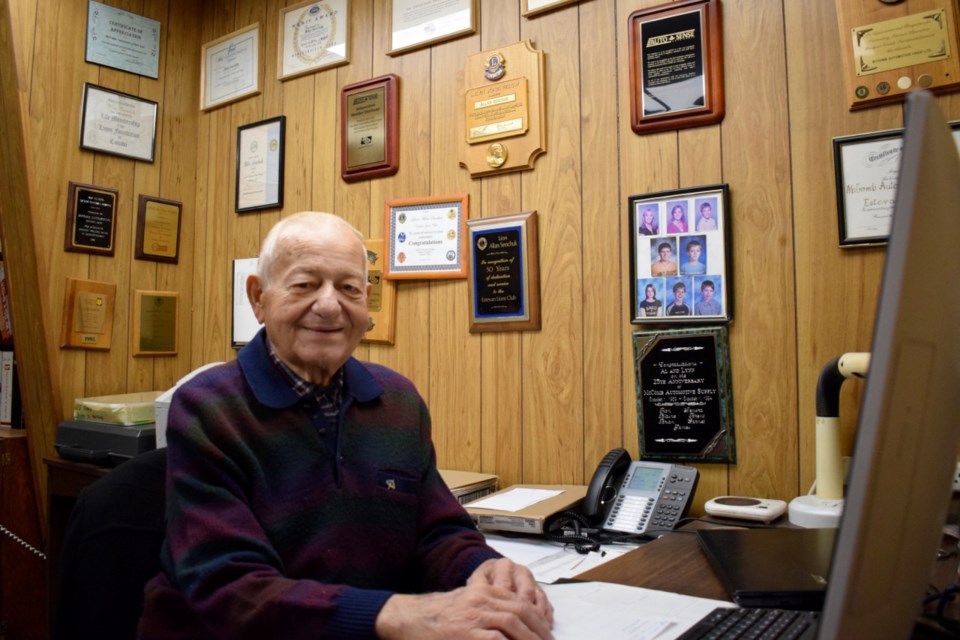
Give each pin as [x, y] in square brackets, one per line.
[616, 612]
[552, 561]
[514, 499]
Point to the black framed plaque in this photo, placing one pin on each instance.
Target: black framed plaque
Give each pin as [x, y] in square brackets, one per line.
[505, 273]
[684, 396]
[676, 66]
[91, 216]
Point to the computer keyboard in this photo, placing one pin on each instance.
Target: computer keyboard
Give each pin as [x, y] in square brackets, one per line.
[754, 623]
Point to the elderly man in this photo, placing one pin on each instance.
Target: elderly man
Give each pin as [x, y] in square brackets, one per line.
[303, 495]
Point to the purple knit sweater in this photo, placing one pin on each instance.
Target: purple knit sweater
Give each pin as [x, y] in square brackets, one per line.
[279, 526]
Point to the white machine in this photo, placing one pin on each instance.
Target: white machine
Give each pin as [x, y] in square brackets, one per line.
[161, 406]
[823, 508]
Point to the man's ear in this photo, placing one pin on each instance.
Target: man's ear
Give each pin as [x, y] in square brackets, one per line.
[255, 296]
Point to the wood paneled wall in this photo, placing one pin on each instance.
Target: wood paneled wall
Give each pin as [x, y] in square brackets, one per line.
[540, 406]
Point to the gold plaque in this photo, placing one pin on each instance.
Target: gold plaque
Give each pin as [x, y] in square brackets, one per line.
[155, 323]
[382, 303]
[366, 123]
[88, 309]
[503, 101]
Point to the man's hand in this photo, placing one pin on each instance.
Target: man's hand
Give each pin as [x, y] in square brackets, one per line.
[500, 597]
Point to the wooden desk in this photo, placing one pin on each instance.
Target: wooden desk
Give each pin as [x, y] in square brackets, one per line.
[65, 479]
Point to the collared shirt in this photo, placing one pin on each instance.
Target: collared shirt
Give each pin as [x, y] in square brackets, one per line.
[329, 397]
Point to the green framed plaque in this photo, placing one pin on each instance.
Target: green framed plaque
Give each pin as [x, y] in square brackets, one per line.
[684, 395]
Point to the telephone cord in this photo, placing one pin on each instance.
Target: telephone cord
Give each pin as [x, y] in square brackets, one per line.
[23, 543]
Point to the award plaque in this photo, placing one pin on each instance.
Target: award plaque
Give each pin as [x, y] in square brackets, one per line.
[158, 230]
[676, 66]
[382, 303]
[88, 309]
[369, 129]
[155, 323]
[503, 112]
[504, 273]
[889, 49]
[123, 40]
[91, 217]
[684, 396]
[118, 123]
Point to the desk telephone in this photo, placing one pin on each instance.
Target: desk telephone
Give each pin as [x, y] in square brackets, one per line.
[638, 497]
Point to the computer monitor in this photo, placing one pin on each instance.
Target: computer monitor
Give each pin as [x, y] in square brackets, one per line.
[908, 434]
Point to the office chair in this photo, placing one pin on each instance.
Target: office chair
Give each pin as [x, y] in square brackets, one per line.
[111, 548]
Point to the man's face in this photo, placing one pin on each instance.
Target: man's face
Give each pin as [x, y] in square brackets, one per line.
[707, 293]
[315, 307]
[694, 252]
[679, 294]
[665, 254]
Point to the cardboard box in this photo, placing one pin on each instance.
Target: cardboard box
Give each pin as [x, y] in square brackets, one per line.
[530, 519]
[127, 408]
[468, 486]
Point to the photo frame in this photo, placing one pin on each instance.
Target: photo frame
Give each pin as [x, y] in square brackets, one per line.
[118, 123]
[679, 245]
[426, 238]
[531, 8]
[420, 23]
[158, 229]
[866, 168]
[91, 219]
[684, 395]
[155, 321]
[244, 321]
[676, 66]
[313, 36]
[504, 273]
[230, 68]
[260, 152]
[369, 129]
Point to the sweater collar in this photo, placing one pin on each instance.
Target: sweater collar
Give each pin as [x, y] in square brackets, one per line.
[272, 389]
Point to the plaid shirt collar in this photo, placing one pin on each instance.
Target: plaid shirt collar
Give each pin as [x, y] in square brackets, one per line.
[328, 396]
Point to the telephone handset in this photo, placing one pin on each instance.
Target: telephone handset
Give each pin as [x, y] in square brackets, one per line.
[638, 497]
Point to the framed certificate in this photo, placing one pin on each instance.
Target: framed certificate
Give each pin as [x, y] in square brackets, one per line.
[531, 8]
[313, 36]
[504, 273]
[155, 323]
[260, 165]
[91, 219]
[369, 129]
[426, 237]
[230, 68]
[679, 257]
[117, 123]
[123, 40]
[419, 23]
[676, 66]
[158, 230]
[245, 323]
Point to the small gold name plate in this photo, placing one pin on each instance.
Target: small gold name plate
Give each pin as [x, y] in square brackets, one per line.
[497, 111]
[901, 42]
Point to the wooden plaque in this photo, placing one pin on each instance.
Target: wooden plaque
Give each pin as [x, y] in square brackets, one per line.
[88, 309]
[502, 119]
[891, 49]
[369, 129]
[382, 303]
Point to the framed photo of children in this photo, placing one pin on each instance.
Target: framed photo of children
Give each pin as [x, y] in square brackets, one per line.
[679, 258]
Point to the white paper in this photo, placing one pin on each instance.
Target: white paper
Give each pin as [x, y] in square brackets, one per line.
[617, 612]
[515, 499]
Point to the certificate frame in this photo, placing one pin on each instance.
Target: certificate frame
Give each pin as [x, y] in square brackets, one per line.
[88, 311]
[244, 321]
[504, 273]
[436, 223]
[531, 8]
[260, 160]
[688, 256]
[132, 46]
[230, 68]
[117, 123]
[91, 219]
[155, 321]
[158, 229]
[662, 99]
[416, 33]
[325, 24]
[369, 129]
